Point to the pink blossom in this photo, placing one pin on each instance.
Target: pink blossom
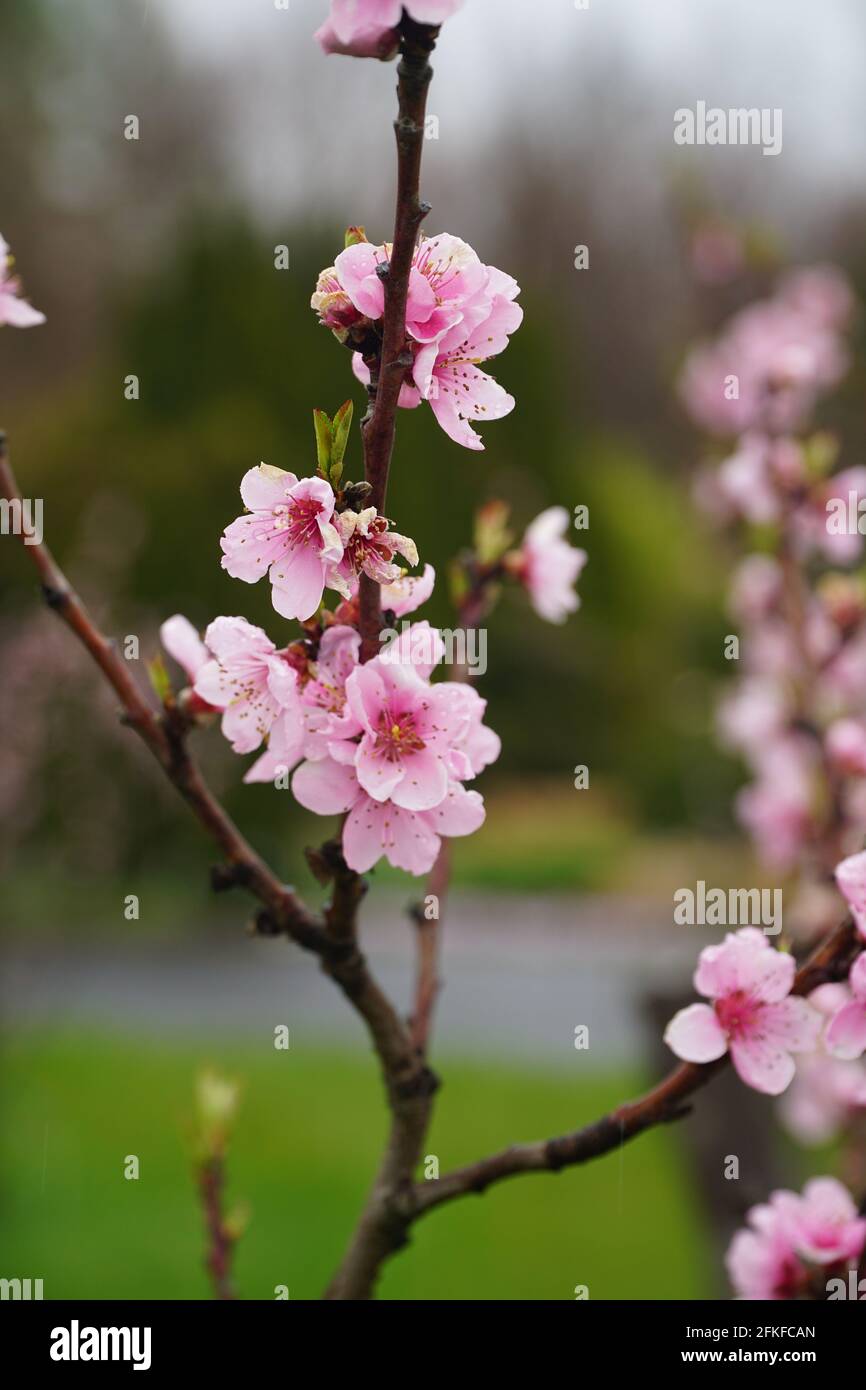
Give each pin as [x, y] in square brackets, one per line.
[777, 809]
[766, 369]
[822, 523]
[319, 716]
[369, 548]
[822, 1222]
[409, 728]
[396, 764]
[756, 710]
[181, 640]
[249, 680]
[407, 838]
[459, 313]
[13, 309]
[752, 1014]
[824, 1096]
[447, 284]
[822, 293]
[333, 306]
[367, 28]
[406, 594]
[327, 715]
[771, 1259]
[761, 1260]
[289, 533]
[756, 588]
[846, 746]
[548, 566]
[851, 881]
[846, 1031]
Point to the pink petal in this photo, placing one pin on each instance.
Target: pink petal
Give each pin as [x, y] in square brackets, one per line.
[792, 1024]
[366, 694]
[374, 828]
[298, 582]
[762, 1065]
[326, 787]
[424, 783]
[181, 641]
[264, 488]
[857, 977]
[378, 775]
[356, 271]
[461, 813]
[696, 1035]
[846, 1032]
[250, 547]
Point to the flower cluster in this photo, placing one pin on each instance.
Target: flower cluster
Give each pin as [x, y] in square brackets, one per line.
[379, 742]
[828, 1094]
[797, 712]
[292, 532]
[14, 310]
[459, 314]
[368, 28]
[797, 1243]
[772, 361]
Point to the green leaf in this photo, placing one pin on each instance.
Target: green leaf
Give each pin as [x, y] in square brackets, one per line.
[159, 679]
[324, 441]
[340, 433]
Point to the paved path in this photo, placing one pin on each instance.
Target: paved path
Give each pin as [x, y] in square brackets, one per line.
[521, 973]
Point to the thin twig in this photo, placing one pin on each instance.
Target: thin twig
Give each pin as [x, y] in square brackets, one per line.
[388, 373]
[220, 1241]
[333, 938]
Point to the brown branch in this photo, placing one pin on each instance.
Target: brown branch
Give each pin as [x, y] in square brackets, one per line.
[389, 372]
[665, 1102]
[428, 936]
[164, 737]
[334, 938]
[471, 611]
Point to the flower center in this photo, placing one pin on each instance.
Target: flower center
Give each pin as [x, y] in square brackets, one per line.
[736, 1012]
[396, 736]
[297, 518]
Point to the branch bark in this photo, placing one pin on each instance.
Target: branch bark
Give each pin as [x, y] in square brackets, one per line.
[665, 1102]
[220, 1242]
[389, 372]
[333, 938]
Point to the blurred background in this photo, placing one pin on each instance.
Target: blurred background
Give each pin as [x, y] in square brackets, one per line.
[155, 257]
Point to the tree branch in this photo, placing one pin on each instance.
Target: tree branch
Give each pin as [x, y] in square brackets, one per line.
[334, 937]
[388, 373]
[664, 1103]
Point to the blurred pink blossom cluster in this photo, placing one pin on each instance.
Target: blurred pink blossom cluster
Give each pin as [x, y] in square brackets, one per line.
[459, 314]
[774, 359]
[796, 713]
[799, 1245]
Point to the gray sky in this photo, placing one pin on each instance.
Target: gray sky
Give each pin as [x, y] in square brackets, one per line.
[610, 75]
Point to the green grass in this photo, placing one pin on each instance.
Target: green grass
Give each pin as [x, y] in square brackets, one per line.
[308, 1134]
